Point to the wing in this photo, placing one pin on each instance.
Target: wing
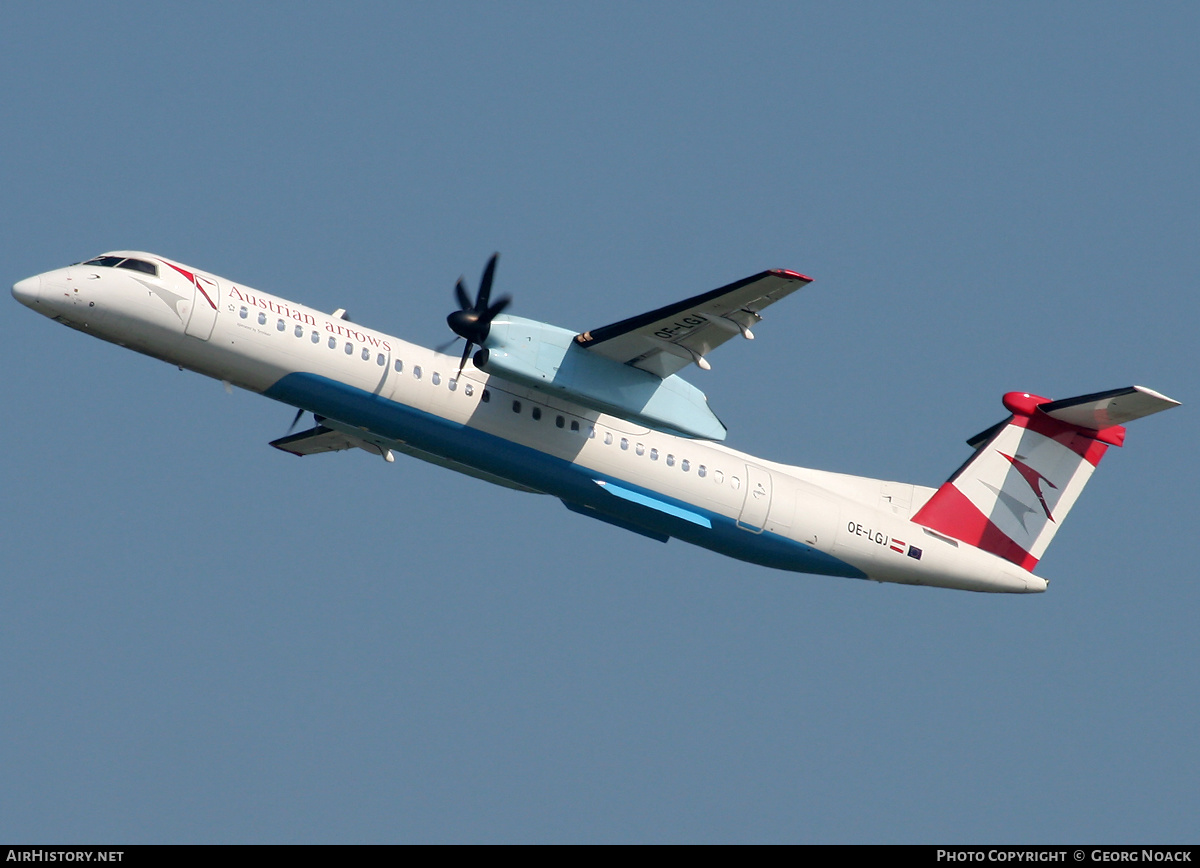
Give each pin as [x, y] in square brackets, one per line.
[317, 440]
[669, 339]
[314, 441]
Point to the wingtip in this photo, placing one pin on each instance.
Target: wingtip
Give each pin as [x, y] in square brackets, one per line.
[1159, 396]
[794, 275]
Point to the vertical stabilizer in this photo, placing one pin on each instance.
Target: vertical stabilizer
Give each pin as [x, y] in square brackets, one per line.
[1013, 493]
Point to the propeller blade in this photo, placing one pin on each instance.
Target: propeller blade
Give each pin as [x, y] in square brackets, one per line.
[448, 344]
[295, 420]
[460, 293]
[495, 309]
[463, 363]
[485, 286]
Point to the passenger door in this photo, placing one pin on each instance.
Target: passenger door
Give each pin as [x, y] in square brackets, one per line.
[758, 499]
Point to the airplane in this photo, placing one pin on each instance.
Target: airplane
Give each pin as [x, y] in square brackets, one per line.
[603, 421]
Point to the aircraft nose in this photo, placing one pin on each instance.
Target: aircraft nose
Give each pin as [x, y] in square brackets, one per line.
[27, 291]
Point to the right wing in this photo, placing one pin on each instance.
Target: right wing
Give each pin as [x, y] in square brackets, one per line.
[670, 338]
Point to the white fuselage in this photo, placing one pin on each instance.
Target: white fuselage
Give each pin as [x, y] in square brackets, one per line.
[391, 395]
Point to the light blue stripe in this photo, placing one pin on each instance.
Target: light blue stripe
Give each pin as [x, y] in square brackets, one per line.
[654, 503]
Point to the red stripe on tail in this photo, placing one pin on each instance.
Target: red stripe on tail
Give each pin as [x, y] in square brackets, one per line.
[949, 512]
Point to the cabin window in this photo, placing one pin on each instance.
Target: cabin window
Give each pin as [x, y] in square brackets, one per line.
[516, 406]
[452, 384]
[608, 438]
[670, 460]
[574, 424]
[537, 413]
[653, 454]
[333, 343]
[640, 449]
[399, 366]
[380, 360]
[366, 354]
[469, 389]
[685, 465]
[718, 477]
[486, 396]
[299, 331]
[416, 372]
[624, 443]
[701, 471]
[349, 348]
[280, 325]
[437, 378]
[559, 421]
[316, 337]
[591, 432]
[734, 482]
[242, 312]
[262, 318]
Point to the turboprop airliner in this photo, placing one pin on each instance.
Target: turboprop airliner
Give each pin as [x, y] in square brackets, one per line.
[603, 421]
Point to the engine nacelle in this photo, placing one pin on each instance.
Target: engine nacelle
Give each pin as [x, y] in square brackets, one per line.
[546, 357]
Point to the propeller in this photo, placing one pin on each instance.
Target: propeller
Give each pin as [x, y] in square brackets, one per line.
[296, 419]
[473, 320]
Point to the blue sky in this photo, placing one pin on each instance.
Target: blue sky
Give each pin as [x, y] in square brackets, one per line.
[204, 639]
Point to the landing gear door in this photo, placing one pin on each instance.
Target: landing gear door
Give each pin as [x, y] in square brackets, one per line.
[206, 297]
[758, 499]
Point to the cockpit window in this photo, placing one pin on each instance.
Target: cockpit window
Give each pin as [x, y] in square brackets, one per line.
[121, 262]
[139, 265]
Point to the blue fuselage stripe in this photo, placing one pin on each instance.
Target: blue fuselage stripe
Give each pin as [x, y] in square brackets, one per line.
[618, 498]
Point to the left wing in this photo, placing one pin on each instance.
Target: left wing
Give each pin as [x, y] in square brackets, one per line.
[669, 339]
[321, 439]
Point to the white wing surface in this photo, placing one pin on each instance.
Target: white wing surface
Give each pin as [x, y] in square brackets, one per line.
[669, 339]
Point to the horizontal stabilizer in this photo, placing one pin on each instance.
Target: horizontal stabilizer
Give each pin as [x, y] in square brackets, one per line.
[1106, 409]
[987, 434]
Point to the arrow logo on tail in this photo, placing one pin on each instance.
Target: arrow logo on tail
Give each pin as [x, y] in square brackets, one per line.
[1034, 479]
